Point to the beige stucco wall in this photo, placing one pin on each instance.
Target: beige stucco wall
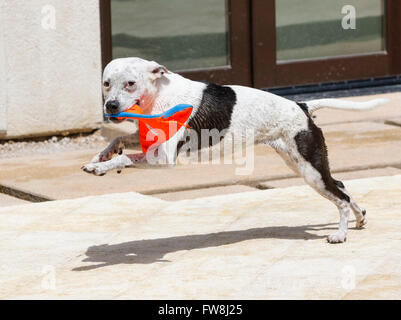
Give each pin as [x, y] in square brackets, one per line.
[52, 76]
[3, 107]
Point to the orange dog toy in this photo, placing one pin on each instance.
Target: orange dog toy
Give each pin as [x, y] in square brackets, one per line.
[156, 129]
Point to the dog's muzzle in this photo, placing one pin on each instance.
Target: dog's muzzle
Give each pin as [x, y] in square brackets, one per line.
[112, 106]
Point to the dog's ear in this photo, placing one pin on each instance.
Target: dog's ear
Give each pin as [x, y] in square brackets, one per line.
[156, 71]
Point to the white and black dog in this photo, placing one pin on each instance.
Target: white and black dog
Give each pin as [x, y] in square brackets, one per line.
[285, 125]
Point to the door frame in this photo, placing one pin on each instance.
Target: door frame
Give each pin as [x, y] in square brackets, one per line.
[270, 73]
[239, 70]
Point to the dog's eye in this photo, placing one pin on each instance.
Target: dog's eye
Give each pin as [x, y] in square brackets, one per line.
[130, 83]
[106, 84]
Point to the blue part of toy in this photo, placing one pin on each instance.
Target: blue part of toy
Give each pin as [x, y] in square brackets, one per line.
[167, 114]
[174, 110]
[131, 115]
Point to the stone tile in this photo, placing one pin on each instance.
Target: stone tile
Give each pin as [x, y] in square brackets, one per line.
[362, 144]
[256, 245]
[394, 121]
[343, 176]
[6, 200]
[60, 176]
[351, 146]
[389, 111]
[205, 192]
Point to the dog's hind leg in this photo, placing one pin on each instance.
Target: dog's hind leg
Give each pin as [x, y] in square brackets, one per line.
[308, 154]
[281, 148]
[360, 213]
[325, 186]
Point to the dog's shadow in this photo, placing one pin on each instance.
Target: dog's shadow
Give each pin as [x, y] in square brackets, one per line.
[153, 250]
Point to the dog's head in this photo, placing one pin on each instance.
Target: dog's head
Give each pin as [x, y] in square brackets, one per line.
[128, 81]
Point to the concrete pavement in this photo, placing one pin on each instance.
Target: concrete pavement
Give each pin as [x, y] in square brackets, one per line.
[342, 176]
[260, 244]
[6, 200]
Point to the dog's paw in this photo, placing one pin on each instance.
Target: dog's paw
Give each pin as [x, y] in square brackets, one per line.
[106, 155]
[337, 237]
[360, 224]
[95, 159]
[98, 169]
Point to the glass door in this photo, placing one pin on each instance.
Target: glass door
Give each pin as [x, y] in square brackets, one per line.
[328, 28]
[313, 41]
[204, 40]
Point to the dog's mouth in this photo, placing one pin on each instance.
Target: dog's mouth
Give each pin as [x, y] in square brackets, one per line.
[137, 102]
[116, 120]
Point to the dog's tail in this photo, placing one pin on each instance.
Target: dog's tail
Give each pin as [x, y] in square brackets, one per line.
[314, 105]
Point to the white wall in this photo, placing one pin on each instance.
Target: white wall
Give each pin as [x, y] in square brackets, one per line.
[3, 106]
[53, 76]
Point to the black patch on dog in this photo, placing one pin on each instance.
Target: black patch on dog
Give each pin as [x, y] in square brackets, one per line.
[339, 183]
[215, 109]
[214, 112]
[304, 107]
[312, 147]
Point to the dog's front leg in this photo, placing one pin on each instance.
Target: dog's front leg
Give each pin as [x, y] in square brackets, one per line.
[119, 162]
[166, 153]
[116, 146]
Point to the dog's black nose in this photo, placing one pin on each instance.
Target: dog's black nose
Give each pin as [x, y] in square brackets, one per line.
[112, 106]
